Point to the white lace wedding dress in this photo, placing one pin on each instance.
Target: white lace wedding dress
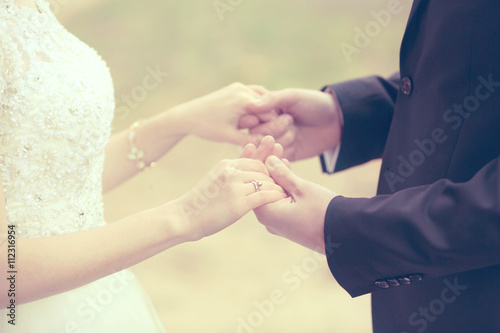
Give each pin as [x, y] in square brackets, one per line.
[56, 109]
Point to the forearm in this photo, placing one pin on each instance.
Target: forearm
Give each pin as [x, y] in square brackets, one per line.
[213, 117]
[434, 230]
[48, 266]
[155, 137]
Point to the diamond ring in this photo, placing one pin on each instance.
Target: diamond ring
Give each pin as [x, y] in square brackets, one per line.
[257, 185]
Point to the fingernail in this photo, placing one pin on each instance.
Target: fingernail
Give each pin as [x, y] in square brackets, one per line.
[272, 162]
[258, 101]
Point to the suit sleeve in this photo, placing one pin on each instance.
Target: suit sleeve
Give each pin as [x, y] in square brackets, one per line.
[432, 230]
[367, 105]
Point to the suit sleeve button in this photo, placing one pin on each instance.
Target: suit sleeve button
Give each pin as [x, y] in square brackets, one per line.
[393, 282]
[382, 284]
[406, 85]
[416, 277]
[404, 280]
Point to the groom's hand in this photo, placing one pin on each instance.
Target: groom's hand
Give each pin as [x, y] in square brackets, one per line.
[301, 216]
[309, 121]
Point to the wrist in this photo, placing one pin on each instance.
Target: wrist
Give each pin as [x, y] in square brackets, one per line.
[338, 118]
[183, 220]
[336, 108]
[152, 138]
[312, 234]
[183, 119]
[171, 123]
[174, 223]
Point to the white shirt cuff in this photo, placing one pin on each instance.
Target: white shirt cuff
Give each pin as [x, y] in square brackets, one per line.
[330, 157]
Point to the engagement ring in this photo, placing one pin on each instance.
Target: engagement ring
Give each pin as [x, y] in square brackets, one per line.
[257, 185]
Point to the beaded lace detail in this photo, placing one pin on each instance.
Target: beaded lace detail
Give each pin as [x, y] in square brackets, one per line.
[56, 109]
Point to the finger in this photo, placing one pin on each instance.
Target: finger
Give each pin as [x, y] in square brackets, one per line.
[252, 120]
[250, 151]
[248, 165]
[247, 177]
[261, 198]
[287, 163]
[240, 138]
[258, 89]
[267, 116]
[265, 148]
[248, 121]
[290, 153]
[277, 150]
[273, 100]
[256, 139]
[276, 127]
[288, 138]
[283, 176]
[258, 186]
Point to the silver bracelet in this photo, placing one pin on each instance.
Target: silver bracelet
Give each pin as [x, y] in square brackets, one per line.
[136, 154]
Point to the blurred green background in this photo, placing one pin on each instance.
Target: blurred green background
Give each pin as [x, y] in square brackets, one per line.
[210, 285]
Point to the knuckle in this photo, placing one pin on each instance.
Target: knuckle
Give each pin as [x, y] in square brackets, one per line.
[224, 168]
[273, 127]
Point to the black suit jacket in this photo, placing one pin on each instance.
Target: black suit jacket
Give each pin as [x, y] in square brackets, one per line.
[428, 245]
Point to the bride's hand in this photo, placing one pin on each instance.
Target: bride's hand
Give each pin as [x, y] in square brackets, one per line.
[216, 116]
[224, 195]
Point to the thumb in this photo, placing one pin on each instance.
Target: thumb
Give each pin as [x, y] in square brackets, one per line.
[284, 176]
[263, 104]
